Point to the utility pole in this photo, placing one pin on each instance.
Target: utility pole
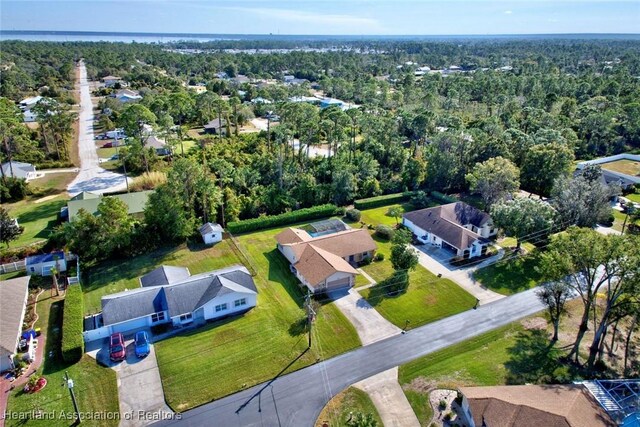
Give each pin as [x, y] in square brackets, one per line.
[73, 397]
[310, 314]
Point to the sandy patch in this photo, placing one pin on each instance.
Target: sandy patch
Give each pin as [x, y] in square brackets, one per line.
[44, 199]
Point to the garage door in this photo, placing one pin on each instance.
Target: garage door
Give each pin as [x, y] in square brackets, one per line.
[449, 247]
[336, 284]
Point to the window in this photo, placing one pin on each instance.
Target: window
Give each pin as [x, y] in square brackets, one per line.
[240, 302]
[157, 317]
[186, 318]
[221, 307]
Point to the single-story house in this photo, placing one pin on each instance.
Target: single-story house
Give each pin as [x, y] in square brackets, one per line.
[29, 116]
[111, 81]
[457, 226]
[325, 262]
[158, 144]
[28, 103]
[127, 95]
[135, 202]
[211, 233]
[240, 79]
[216, 127]
[170, 295]
[21, 170]
[568, 405]
[13, 304]
[41, 265]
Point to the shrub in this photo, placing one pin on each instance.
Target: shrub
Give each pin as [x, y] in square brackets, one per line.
[13, 189]
[420, 200]
[72, 319]
[54, 164]
[443, 198]
[379, 256]
[353, 215]
[388, 199]
[366, 261]
[263, 222]
[384, 232]
[609, 221]
[448, 416]
[148, 181]
[442, 404]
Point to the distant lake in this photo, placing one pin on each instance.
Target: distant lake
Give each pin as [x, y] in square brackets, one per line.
[129, 37]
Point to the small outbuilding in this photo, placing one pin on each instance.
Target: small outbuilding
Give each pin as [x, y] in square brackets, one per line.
[211, 233]
[41, 265]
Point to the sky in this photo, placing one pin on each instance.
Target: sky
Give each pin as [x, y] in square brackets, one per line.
[326, 17]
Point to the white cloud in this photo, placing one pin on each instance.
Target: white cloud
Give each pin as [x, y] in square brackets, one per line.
[309, 17]
[508, 12]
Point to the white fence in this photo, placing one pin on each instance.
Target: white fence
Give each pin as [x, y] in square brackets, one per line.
[13, 266]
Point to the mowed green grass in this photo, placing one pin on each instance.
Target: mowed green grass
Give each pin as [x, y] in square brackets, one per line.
[239, 352]
[479, 361]
[118, 275]
[350, 401]
[95, 386]
[38, 219]
[634, 197]
[427, 299]
[511, 275]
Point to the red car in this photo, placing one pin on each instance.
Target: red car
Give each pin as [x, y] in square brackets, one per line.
[117, 351]
[107, 145]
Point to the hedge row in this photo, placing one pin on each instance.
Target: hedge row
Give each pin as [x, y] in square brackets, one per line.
[54, 164]
[260, 223]
[387, 199]
[443, 198]
[72, 319]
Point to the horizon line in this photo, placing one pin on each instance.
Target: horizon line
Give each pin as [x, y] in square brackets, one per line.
[85, 32]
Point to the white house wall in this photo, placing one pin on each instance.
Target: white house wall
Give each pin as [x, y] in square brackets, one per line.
[210, 307]
[212, 238]
[288, 253]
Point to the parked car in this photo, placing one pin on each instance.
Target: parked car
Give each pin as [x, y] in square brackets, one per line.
[114, 157]
[107, 145]
[142, 344]
[117, 350]
[102, 136]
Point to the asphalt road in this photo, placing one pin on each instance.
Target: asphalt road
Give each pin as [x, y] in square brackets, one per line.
[296, 399]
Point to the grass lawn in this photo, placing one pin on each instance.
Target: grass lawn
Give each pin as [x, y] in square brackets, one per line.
[106, 153]
[95, 386]
[38, 219]
[634, 197]
[247, 350]
[351, 400]
[117, 275]
[427, 299]
[52, 183]
[512, 275]
[511, 242]
[619, 219]
[629, 167]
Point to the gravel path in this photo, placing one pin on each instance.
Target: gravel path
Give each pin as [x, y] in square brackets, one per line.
[91, 177]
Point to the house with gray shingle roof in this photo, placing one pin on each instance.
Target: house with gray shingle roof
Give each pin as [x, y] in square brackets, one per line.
[170, 295]
[13, 302]
[458, 227]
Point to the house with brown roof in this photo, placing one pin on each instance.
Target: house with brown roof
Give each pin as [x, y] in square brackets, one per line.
[532, 406]
[458, 227]
[326, 262]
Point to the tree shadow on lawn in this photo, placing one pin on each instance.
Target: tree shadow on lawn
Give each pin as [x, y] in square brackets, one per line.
[52, 354]
[107, 272]
[535, 359]
[45, 210]
[392, 287]
[514, 275]
[48, 229]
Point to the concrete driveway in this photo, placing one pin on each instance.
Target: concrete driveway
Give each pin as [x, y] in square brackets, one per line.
[140, 391]
[369, 324]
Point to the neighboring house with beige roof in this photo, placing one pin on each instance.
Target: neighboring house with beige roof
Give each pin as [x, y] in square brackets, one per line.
[458, 227]
[532, 406]
[13, 303]
[325, 263]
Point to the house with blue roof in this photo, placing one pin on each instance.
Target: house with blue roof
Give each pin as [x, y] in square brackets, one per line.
[41, 265]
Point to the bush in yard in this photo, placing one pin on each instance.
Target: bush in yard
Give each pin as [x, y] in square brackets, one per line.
[366, 261]
[72, 318]
[442, 405]
[263, 222]
[384, 232]
[388, 199]
[443, 198]
[379, 256]
[353, 215]
[13, 189]
[420, 200]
